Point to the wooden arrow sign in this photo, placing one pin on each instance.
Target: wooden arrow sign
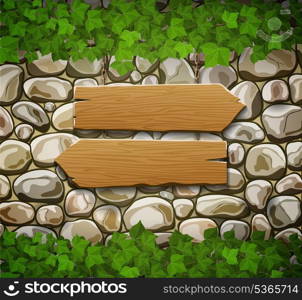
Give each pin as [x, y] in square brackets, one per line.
[156, 107]
[104, 163]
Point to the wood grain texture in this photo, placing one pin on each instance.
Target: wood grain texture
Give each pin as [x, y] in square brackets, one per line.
[164, 107]
[104, 163]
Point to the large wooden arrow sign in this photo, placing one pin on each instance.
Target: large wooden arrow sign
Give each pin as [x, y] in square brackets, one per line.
[104, 163]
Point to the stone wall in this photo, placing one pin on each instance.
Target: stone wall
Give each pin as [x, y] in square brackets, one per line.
[264, 150]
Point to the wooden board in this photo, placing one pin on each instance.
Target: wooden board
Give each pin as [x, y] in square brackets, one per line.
[156, 107]
[104, 163]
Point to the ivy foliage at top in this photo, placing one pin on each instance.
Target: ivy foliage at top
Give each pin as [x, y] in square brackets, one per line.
[128, 28]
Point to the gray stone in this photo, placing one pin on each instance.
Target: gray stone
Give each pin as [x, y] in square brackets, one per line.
[257, 193]
[286, 233]
[30, 230]
[14, 157]
[49, 106]
[79, 203]
[142, 135]
[2, 228]
[144, 65]
[154, 213]
[179, 136]
[120, 196]
[45, 66]
[24, 131]
[261, 223]
[186, 190]
[31, 113]
[275, 91]
[283, 122]
[85, 82]
[84, 68]
[108, 218]
[177, 71]
[6, 123]
[119, 134]
[60, 172]
[221, 206]
[290, 184]
[11, 77]
[63, 117]
[183, 208]
[196, 227]
[265, 161]
[241, 229]
[150, 79]
[236, 154]
[235, 183]
[166, 195]
[278, 63]
[50, 215]
[39, 186]
[151, 189]
[294, 155]
[16, 212]
[284, 211]
[295, 83]
[84, 228]
[204, 136]
[48, 89]
[226, 75]
[135, 76]
[87, 133]
[249, 95]
[246, 132]
[4, 187]
[46, 148]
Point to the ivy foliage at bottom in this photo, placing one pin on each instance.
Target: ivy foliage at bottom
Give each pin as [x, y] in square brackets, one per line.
[140, 256]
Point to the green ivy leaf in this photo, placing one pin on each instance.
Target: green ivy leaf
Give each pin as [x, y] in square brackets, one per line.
[230, 18]
[93, 21]
[230, 255]
[94, 257]
[65, 264]
[176, 266]
[65, 28]
[130, 37]
[216, 55]
[183, 49]
[9, 4]
[129, 272]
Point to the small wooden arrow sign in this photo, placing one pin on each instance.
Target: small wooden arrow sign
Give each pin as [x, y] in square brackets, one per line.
[104, 163]
[156, 107]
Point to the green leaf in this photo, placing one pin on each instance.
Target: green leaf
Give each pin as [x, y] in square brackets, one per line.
[249, 28]
[248, 264]
[65, 27]
[9, 238]
[129, 272]
[65, 264]
[93, 21]
[94, 257]
[176, 266]
[230, 255]
[130, 37]
[216, 55]
[9, 4]
[183, 49]
[276, 274]
[230, 18]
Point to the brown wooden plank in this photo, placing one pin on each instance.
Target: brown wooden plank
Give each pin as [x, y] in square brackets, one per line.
[103, 163]
[156, 107]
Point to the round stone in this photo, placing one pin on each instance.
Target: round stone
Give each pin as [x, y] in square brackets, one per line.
[196, 227]
[240, 228]
[166, 195]
[179, 136]
[87, 133]
[150, 80]
[249, 95]
[282, 122]
[151, 189]
[50, 215]
[221, 206]
[204, 136]
[183, 208]
[16, 212]
[257, 193]
[79, 203]
[5, 190]
[246, 132]
[294, 155]
[295, 83]
[24, 131]
[31, 113]
[235, 183]
[226, 75]
[120, 196]
[84, 68]
[46, 148]
[6, 123]
[108, 218]
[14, 157]
[236, 154]
[143, 136]
[177, 71]
[290, 184]
[286, 233]
[278, 63]
[284, 211]
[143, 65]
[135, 76]
[265, 161]
[154, 213]
[39, 186]
[60, 172]
[83, 228]
[119, 134]
[30, 230]
[49, 106]
[45, 66]
[2, 228]
[63, 117]
[261, 223]
[275, 91]
[11, 77]
[186, 191]
[85, 82]
[48, 89]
